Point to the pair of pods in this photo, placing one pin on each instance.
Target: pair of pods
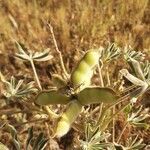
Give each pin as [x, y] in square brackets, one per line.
[81, 76]
[91, 95]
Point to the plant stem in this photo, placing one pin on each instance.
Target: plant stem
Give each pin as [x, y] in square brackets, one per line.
[113, 109]
[58, 51]
[48, 134]
[32, 121]
[102, 85]
[113, 125]
[11, 111]
[48, 110]
[101, 118]
[100, 74]
[134, 140]
[107, 75]
[100, 111]
[113, 116]
[119, 138]
[35, 73]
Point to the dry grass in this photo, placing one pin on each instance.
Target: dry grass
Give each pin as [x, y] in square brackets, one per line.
[78, 26]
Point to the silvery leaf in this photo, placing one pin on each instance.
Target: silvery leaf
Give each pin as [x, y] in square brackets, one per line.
[42, 56]
[132, 78]
[137, 69]
[130, 53]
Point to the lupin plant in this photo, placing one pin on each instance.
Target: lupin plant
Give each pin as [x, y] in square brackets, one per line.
[32, 142]
[76, 91]
[16, 89]
[94, 139]
[141, 77]
[81, 92]
[31, 57]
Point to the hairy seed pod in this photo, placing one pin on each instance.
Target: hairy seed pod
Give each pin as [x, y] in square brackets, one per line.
[67, 118]
[93, 95]
[51, 97]
[3, 147]
[84, 70]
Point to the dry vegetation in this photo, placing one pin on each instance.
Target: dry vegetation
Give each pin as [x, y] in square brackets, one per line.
[78, 26]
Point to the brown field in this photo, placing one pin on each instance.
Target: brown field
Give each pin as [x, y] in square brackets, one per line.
[78, 26]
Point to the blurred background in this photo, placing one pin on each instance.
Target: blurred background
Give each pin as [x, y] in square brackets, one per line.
[78, 26]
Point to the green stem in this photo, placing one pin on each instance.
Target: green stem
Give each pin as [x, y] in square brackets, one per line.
[48, 110]
[113, 116]
[35, 73]
[100, 74]
[11, 112]
[113, 109]
[58, 51]
[107, 75]
[31, 121]
[102, 85]
[113, 126]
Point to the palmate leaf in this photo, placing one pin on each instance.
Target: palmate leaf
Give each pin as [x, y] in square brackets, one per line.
[14, 88]
[131, 78]
[137, 118]
[92, 133]
[15, 140]
[135, 144]
[88, 132]
[40, 142]
[130, 53]
[136, 81]
[101, 146]
[21, 49]
[37, 56]
[132, 144]
[110, 53]
[94, 139]
[22, 56]
[146, 69]
[26, 89]
[30, 136]
[42, 56]
[137, 68]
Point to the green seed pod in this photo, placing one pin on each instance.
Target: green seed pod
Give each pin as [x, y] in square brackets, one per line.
[51, 97]
[84, 70]
[92, 57]
[83, 67]
[67, 118]
[3, 147]
[93, 95]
